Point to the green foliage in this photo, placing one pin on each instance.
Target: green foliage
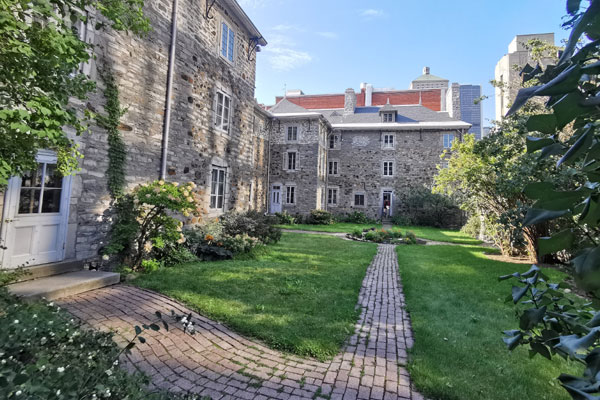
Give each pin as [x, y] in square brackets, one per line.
[357, 233]
[285, 218]
[410, 238]
[402, 220]
[473, 226]
[117, 154]
[355, 217]
[319, 217]
[144, 228]
[569, 136]
[45, 354]
[383, 236]
[429, 209]
[252, 223]
[41, 55]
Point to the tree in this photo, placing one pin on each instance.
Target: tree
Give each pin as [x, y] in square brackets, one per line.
[40, 58]
[568, 131]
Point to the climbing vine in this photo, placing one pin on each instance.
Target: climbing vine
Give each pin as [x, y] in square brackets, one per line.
[116, 147]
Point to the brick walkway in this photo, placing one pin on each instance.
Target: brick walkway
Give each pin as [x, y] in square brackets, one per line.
[217, 362]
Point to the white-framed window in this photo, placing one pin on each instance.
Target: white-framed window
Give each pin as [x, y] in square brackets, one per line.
[85, 32]
[332, 196]
[333, 141]
[388, 168]
[359, 199]
[448, 139]
[222, 111]
[292, 133]
[388, 140]
[333, 168]
[388, 117]
[291, 160]
[290, 195]
[227, 42]
[217, 187]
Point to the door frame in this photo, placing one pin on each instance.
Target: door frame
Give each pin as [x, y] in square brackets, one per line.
[11, 202]
[391, 192]
[271, 192]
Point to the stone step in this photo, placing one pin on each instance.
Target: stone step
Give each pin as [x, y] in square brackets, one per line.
[44, 270]
[57, 286]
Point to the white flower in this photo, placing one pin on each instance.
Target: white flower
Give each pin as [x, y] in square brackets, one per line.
[567, 290]
[3, 362]
[18, 393]
[34, 316]
[58, 392]
[184, 320]
[175, 184]
[105, 257]
[42, 368]
[50, 304]
[16, 321]
[116, 362]
[108, 372]
[44, 340]
[60, 370]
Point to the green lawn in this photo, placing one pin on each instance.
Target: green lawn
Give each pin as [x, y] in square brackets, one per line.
[424, 232]
[458, 313]
[300, 296]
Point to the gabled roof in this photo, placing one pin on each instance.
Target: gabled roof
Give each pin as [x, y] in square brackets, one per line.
[429, 77]
[285, 106]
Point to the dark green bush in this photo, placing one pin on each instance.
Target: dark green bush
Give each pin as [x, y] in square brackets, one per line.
[410, 238]
[356, 217]
[284, 218]
[320, 217]
[253, 224]
[402, 220]
[357, 233]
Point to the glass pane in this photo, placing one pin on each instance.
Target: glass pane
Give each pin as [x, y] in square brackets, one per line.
[220, 201]
[224, 37]
[29, 201]
[33, 178]
[53, 179]
[51, 201]
[213, 201]
[221, 176]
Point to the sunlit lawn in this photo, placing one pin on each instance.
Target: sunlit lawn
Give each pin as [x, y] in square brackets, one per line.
[424, 232]
[300, 296]
[458, 312]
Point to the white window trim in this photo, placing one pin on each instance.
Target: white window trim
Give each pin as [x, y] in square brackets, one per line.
[384, 116]
[354, 194]
[383, 168]
[383, 144]
[451, 140]
[219, 127]
[287, 137]
[225, 191]
[336, 171]
[295, 199]
[337, 196]
[336, 142]
[286, 160]
[220, 43]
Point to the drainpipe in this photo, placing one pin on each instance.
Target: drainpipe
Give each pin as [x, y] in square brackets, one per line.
[326, 167]
[167, 121]
[268, 197]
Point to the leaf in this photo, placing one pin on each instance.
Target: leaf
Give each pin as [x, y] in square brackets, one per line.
[158, 314]
[577, 30]
[518, 293]
[522, 97]
[20, 379]
[535, 144]
[536, 216]
[578, 148]
[572, 344]
[591, 212]
[573, 6]
[557, 242]
[531, 271]
[141, 339]
[513, 341]
[138, 330]
[567, 108]
[154, 327]
[565, 82]
[531, 317]
[538, 190]
[539, 348]
[505, 277]
[552, 150]
[130, 346]
[587, 269]
[545, 123]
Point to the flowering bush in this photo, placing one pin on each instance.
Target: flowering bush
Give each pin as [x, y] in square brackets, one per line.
[253, 224]
[144, 228]
[44, 354]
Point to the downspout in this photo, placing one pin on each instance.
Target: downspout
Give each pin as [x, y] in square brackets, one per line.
[268, 196]
[326, 168]
[167, 121]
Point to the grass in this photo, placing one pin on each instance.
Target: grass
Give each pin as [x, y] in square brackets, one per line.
[458, 313]
[299, 296]
[424, 232]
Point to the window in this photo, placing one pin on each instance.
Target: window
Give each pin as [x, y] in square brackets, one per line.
[332, 196]
[292, 133]
[291, 160]
[227, 42]
[222, 111]
[41, 190]
[388, 141]
[388, 117]
[359, 199]
[388, 168]
[290, 195]
[217, 188]
[333, 141]
[333, 167]
[448, 139]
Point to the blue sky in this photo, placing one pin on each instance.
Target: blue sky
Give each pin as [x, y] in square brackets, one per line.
[327, 46]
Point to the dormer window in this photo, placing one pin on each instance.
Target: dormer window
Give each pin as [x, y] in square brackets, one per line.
[388, 117]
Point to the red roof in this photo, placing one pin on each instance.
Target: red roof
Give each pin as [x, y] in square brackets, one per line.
[430, 98]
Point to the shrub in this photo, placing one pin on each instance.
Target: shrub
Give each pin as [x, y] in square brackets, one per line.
[410, 238]
[402, 220]
[45, 354]
[144, 225]
[473, 226]
[357, 233]
[356, 217]
[253, 224]
[371, 235]
[206, 246]
[284, 218]
[320, 217]
[299, 218]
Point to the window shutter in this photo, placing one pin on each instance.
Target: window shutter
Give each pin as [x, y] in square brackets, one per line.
[224, 37]
[231, 42]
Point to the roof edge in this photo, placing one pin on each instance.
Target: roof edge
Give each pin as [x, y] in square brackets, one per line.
[246, 21]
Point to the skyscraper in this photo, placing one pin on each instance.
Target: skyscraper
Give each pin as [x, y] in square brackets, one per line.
[470, 108]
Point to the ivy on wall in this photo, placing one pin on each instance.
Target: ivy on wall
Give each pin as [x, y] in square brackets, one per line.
[116, 147]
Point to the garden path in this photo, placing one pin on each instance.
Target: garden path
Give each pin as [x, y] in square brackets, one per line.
[219, 363]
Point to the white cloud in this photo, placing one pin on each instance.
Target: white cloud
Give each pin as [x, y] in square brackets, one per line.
[286, 59]
[328, 35]
[371, 13]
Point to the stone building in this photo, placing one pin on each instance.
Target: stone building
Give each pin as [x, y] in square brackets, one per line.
[355, 158]
[217, 134]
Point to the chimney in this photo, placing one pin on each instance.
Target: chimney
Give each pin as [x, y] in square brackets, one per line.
[425, 70]
[349, 101]
[369, 95]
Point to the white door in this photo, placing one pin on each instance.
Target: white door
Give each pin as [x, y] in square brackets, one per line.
[35, 215]
[276, 199]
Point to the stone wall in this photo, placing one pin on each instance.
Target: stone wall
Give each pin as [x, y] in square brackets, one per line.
[195, 144]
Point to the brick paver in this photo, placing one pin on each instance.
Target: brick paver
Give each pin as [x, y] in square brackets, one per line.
[219, 363]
